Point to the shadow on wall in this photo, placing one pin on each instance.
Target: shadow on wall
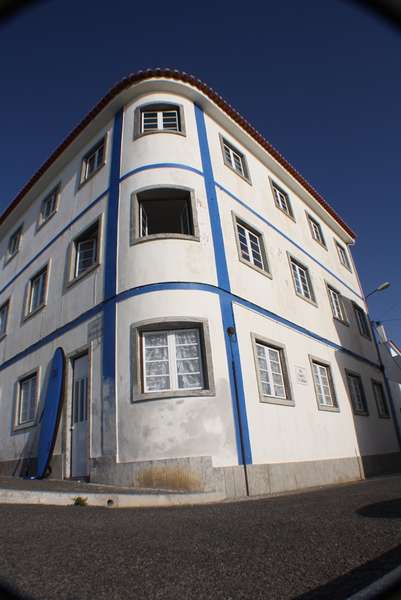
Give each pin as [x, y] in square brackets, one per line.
[8, 592]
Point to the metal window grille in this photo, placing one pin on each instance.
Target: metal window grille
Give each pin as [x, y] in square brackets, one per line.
[160, 120]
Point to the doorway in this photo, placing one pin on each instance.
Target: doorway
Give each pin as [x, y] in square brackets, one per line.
[80, 417]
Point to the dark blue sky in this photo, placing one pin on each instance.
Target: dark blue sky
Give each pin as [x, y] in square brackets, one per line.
[320, 79]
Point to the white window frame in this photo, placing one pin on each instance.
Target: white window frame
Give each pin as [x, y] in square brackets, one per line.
[343, 256]
[281, 199]
[319, 382]
[316, 230]
[357, 394]
[337, 304]
[302, 280]
[251, 235]
[382, 406]
[73, 252]
[99, 162]
[31, 418]
[53, 196]
[43, 276]
[266, 345]
[15, 241]
[159, 109]
[160, 120]
[234, 159]
[4, 312]
[362, 321]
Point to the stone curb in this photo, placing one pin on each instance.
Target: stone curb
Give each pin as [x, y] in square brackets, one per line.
[107, 500]
[379, 587]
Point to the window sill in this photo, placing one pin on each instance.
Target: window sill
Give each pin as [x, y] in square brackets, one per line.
[341, 321]
[345, 267]
[320, 244]
[155, 131]
[255, 268]
[34, 312]
[367, 337]
[24, 426]
[165, 236]
[312, 302]
[149, 396]
[360, 413]
[41, 224]
[91, 176]
[388, 417]
[278, 401]
[2, 336]
[328, 408]
[286, 213]
[72, 282]
[10, 258]
[244, 177]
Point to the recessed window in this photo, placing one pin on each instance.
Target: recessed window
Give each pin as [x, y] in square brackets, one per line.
[14, 243]
[337, 304]
[272, 373]
[163, 212]
[85, 252]
[93, 160]
[37, 291]
[362, 321]
[302, 280]
[27, 399]
[343, 256]
[381, 402]
[234, 159]
[282, 199]
[357, 394]
[4, 309]
[172, 360]
[49, 205]
[316, 230]
[324, 387]
[250, 246]
[159, 118]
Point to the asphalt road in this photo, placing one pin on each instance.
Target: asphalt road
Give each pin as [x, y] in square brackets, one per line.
[323, 544]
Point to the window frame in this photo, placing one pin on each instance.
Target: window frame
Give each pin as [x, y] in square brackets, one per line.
[275, 186]
[135, 216]
[359, 310]
[5, 306]
[157, 107]
[137, 363]
[28, 312]
[72, 253]
[300, 264]
[245, 175]
[84, 161]
[289, 400]
[360, 413]
[324, 363]
[237, 220]
[344, 250]
[312, 221]
[17, 231]
[330, 288]
[17, 425]
[57, 191]
[380, 414]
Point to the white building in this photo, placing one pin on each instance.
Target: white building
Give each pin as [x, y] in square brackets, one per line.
[206, 300]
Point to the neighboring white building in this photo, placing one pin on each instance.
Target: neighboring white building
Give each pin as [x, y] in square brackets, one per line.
[390, 354]
[206, 300]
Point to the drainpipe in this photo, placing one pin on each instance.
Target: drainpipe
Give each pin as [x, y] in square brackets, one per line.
[375, 325]
[231, 334]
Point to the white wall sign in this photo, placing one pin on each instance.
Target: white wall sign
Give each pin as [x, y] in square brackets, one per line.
[301, 376]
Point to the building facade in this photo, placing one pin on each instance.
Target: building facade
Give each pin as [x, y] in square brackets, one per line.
[214, 327]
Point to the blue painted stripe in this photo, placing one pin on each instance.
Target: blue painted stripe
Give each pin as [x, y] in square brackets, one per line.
[215, 223]
[286, 237]
[175, 286]
[54, 239]
[161, 166]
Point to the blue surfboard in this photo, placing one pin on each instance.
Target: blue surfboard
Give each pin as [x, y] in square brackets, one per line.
[51, 413]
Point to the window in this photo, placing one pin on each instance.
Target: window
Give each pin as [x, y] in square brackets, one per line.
[281, 199]
[37, 292]
[357, 394]
[250, 246]
[337, 305]
[156, 118]
[49, 205]
[27, 398]
[163, 212]
[4, 308]
[93, 160]
[324, 387]
[316, 230]
[14, 243]
[381, 402]
[85, 252]
[271, 372]
[234, 159]
[362, 321]
[171, 359]
[302, 281]
[343, 256]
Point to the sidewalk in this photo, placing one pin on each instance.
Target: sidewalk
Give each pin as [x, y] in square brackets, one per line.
[53, 492]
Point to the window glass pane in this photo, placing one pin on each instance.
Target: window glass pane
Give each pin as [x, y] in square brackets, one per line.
[270, 371]
[157, 384]
[3, 318]
[322, 384]
[27, 400]
[86, 255]
[37, 292]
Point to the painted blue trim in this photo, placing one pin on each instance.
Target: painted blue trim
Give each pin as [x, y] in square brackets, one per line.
[175, 285]
[215, 223]
[55, 238]
[277, 230]
[161, 166]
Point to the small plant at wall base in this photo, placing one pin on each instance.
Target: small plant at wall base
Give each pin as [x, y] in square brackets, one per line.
[79, 501]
